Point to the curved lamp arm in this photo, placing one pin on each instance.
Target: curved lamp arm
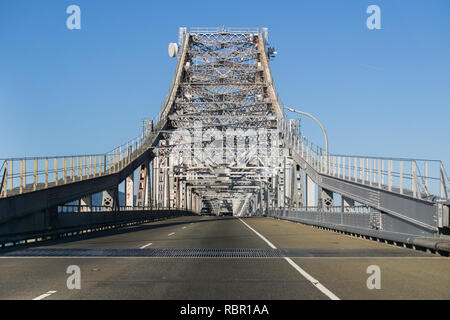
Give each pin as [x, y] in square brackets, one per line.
[321, 127]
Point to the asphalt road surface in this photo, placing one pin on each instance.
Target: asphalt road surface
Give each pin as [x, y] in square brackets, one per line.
[221, 258]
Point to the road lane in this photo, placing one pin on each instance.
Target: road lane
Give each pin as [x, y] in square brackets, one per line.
[183, 232]
[159, 278]
[405, 273]
[339, 262]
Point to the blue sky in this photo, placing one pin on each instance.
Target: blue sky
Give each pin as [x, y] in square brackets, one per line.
[378, 92]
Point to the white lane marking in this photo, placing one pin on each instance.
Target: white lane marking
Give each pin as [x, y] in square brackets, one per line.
[45, 295]
[148, 244]
[183, 228]
[171, 234]
[260, 235]
[305, 274]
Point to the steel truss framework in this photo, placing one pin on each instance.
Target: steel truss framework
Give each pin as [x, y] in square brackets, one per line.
[224, 106]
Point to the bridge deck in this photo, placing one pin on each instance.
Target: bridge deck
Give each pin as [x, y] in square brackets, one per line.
[338, 262]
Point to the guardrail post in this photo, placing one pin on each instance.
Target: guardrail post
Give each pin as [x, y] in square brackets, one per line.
[46, 172]
[83, 166]
[35, 180]
[77, 167]
[361, 170]
[11, 182]
[347, 163]
[119, 158]
[382, 173]
[56, 171]
[4, 182]
[65, 170]
[338, 167]
[335, 165]
[390, 175]
[72, 173]
[303, 148]
[115, 160]
[401, 177]
[99, 163]
[22, 175]
[443, 187]
[414, 179]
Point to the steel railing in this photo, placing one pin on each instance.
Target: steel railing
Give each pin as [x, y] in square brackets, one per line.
[419, 178]
[347, 209]
[68, 208]
[28, 174]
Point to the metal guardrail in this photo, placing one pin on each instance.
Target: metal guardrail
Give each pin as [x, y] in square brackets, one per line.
[367, 226]
[67, 224]
[164, 107]
[336, 209]
[419, 178]
[58, 170]
[67, 208]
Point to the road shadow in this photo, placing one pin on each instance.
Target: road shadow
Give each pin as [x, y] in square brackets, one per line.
[117, 231]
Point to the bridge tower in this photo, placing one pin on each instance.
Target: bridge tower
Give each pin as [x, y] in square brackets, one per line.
[224, 117]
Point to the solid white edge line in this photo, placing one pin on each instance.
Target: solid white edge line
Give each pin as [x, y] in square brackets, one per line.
[148, 244]
[45, 295]
[305, 274]
[315, 282]
[260, 235]
[171, 234]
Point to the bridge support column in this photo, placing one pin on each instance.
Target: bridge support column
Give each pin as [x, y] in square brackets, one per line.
[326, 199]
[266, 197]
[347, 202]
[148, 189]
[155, 175]
[188, 198]
[311, 198]
[261, 200]
[183, 194]
[85, 204]
[195, 206]
[110, 199]
[297, 187]
[143, 190]
[198, 204]
[129, 191]
[276, 191]
[166, 197]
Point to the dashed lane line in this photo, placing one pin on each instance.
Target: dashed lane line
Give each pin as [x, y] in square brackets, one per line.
[147, 245]
[45, 295]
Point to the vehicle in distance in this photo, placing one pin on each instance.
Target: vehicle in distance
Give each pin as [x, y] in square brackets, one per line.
[205, 211]
[225, 212]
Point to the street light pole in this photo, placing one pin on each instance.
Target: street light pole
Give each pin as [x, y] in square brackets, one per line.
[321, 127]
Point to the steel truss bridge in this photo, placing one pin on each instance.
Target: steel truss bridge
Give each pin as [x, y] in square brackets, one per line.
[222, 141]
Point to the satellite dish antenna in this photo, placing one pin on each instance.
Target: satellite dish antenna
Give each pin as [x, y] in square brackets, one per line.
[173, 50]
